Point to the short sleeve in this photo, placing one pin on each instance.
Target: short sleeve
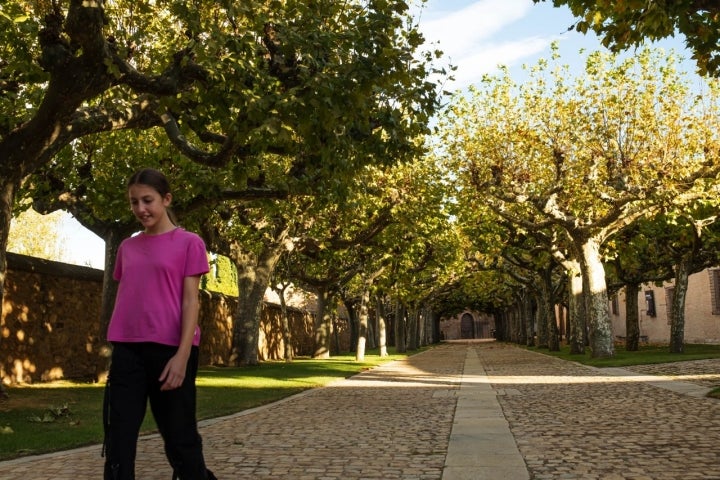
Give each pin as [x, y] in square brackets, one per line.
[197, 258]
[117, 271]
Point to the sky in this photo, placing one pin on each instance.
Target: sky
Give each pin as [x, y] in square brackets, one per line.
[476, 37]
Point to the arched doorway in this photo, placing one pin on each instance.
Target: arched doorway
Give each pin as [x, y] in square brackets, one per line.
[466, 326]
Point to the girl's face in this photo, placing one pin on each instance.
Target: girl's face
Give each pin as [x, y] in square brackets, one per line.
[150, 208]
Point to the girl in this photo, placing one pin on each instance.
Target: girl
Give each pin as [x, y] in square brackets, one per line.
[155, 336]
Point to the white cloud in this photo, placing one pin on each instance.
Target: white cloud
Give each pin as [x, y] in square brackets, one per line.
[471, 36]
[466, 28]
[473, 66]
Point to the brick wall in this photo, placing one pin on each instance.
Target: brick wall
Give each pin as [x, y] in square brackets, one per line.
[50, 328]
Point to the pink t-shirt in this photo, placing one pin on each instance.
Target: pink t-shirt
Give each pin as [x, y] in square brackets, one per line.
[151, 270]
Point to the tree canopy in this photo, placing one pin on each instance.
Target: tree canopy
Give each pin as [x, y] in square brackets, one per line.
[301, 126]
[230, 99]
[627, 23]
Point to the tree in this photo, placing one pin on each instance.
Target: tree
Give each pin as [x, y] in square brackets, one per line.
[691, 239]
[418, 253]
[280, 286]
[623, 24]
[589, 155]
[333, 251]
[254, 236]
[325, 86]
[37, 235]
[634, 256]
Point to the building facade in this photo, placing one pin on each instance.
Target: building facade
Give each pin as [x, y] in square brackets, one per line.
[702, 310]
[467, 325]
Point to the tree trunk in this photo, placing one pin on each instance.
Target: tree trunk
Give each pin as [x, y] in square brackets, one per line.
[435, 319]
[288, 353]
[596, 300]
[513, 319]
[541, 321]
[501, 319]
[516, 325]
[562, 321]
[422, 323]
[529, 318]
[7, 200]
[576, 312]
[400, 331]
[553, 332]
[677, 311]
[352, 312]
[521, 313]
[412, 329]
[112, 239]
[254, 274]
[372, 341]
[381, 327]
[362, 325]
[547, 304]
[323, 326]
[335, 331]
[632, 318]
[34, 143]
[246, 324]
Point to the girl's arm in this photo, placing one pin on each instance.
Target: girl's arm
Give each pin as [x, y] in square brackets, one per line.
[174, 372]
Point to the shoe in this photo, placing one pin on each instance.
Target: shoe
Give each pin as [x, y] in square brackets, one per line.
[210, 475]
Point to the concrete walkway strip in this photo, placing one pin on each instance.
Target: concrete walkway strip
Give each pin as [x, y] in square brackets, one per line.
[481, 445]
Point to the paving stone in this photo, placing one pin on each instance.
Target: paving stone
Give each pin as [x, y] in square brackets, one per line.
[459, 411]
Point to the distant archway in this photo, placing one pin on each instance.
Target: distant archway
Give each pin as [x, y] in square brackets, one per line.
[467, 329]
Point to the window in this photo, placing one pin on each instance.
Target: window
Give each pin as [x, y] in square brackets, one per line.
[650, 303]
[614, 305]
[715, 290]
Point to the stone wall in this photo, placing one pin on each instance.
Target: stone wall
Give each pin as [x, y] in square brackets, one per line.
[702, 316]
[50, 328]
[50, 325]
[216, 320]
[467, 324]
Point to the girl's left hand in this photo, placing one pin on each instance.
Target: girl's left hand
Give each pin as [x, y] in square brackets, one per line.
[173, 374]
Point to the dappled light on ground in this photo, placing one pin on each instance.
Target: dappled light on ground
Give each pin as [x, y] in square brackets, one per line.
[422, 379]
[603, 378]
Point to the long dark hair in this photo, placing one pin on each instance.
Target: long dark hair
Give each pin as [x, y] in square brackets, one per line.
[155, 180]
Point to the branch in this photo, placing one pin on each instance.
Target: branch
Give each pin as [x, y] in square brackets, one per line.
[247, 195]
[381, 221]
[222, 157]
[89, 121]
[183, 71]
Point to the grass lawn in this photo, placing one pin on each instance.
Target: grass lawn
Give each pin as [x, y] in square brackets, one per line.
[647, 354]
[47, 417]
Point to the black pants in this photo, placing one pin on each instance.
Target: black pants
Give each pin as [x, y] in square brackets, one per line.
[133, 379]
